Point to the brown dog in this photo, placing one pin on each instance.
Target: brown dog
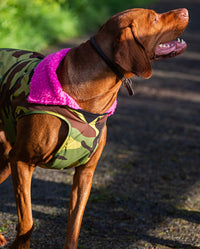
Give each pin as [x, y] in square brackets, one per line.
[131, 40]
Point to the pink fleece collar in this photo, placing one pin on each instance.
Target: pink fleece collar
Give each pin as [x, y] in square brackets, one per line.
[45, 87]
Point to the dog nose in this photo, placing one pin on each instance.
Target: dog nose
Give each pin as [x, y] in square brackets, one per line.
[184, 13]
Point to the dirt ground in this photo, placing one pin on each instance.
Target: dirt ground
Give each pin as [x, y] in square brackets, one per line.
[146, 190]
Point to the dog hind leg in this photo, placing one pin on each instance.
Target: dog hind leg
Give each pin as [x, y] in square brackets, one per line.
[2, 240]
[5, 169]
[5, 148]
[21, 177]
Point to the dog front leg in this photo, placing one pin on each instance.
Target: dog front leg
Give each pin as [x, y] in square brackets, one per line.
[78, 200]
[21, 177]
[82, 183]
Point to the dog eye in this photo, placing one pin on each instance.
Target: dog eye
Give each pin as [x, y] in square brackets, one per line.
[155, 19]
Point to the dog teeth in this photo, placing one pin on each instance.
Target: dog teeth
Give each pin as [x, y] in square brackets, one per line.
[165, 45]
[181, 41]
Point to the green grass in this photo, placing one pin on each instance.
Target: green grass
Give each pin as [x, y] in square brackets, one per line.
[3, 228]
[35, 24]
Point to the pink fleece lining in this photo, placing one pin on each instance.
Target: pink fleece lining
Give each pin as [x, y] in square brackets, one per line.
[45, 87]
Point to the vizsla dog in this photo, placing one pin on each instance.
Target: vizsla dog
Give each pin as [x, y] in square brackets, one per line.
[58, 119]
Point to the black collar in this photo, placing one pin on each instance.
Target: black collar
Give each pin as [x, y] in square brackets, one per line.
[113, 67]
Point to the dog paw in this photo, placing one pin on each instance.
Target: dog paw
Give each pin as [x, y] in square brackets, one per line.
[2, 240]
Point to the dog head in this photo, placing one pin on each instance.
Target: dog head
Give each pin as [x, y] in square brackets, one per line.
[142, 36]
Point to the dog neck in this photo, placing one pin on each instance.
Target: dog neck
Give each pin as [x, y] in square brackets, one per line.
[88, 80]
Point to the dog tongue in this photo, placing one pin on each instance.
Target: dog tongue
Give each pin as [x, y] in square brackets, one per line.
[170, 49]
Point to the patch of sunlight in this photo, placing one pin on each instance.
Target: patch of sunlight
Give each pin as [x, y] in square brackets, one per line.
[191, 55]
[176, 75]
[166, 93]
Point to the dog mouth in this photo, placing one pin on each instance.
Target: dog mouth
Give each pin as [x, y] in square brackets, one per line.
[170, 49]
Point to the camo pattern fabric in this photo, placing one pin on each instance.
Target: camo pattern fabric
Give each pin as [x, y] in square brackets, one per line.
[16, 70]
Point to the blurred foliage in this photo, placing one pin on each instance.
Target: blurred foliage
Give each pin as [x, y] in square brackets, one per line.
[34, 24]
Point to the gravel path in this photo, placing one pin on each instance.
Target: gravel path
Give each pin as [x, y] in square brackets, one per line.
[146, 187]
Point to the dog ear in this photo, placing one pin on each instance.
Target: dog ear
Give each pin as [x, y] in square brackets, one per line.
[130, 55]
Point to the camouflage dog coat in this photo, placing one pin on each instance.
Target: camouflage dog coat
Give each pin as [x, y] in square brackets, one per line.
[17, 68]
